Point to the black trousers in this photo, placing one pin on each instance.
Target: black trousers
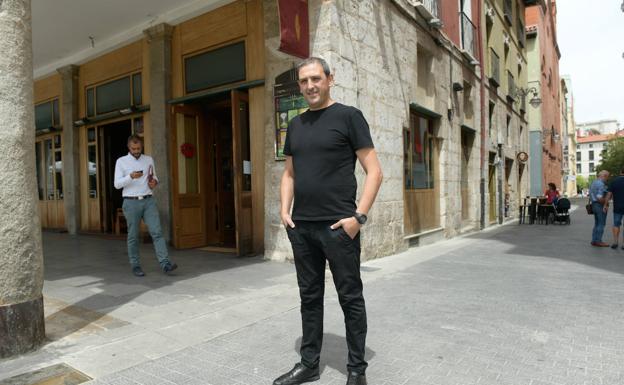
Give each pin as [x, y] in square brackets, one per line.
[313, 243]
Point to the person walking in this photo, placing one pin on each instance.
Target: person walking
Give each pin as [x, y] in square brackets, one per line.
[321, 148]
[616, 192]
[597, 196]
[136, 177]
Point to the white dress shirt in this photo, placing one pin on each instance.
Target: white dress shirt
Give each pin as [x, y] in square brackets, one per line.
[128, 164]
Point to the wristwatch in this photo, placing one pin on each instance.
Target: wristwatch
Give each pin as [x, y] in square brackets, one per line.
[361, 218]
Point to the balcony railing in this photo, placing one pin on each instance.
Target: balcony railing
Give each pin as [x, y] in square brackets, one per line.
[511, 88]
[521, 33]
[508, 11]
[429, 8]
[494, 68]
[468, 35]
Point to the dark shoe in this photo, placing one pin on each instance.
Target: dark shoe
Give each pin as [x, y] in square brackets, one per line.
[354, 378]
[138, 272]
[168, 268]
[600, 244]
[298, 375]
[614, 246]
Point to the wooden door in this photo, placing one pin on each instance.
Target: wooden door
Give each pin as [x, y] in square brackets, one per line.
[187, 158]
[492, 192]
[242, 172]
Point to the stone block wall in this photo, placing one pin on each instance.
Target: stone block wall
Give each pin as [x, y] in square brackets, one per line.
[373, 48]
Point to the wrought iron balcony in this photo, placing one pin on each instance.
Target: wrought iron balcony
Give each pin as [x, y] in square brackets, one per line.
[468, 33]
[511, 88]
[494, 68]
[428, 8]
[508, 11]
[521, 33]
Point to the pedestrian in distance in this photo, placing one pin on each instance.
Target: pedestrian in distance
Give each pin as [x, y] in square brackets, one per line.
[552, 195]
[616, 192]
[136, 176]
[597, 196]
[321, 148]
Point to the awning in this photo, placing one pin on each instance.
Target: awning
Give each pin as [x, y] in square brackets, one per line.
[424, 111]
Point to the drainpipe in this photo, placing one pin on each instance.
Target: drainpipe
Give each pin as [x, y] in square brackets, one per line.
[483, 115]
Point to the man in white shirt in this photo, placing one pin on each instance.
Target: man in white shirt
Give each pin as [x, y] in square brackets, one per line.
[134, 173]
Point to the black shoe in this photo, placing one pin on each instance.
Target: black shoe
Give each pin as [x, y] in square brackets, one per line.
[354, 378]
[298, 375]
[614, 246]
[137, 271]
[169, 267]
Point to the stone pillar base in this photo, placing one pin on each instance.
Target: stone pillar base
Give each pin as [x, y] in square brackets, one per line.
[22, 327]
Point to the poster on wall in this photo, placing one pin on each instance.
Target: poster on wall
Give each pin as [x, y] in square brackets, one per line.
[288, 103]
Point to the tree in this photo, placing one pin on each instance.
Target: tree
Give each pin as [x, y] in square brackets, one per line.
[581, 182]
[613, 159]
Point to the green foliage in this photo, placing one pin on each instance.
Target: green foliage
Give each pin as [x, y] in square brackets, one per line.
[613, 159]
[581, 182]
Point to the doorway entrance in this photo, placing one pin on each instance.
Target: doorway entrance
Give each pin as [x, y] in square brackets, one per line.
[211, 170]
[113, 145]
[105, 144]
[492, 187]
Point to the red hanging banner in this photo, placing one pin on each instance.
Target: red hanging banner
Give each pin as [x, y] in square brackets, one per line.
[294, 27]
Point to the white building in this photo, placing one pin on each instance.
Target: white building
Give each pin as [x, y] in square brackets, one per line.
[602, 127]
[589, 152]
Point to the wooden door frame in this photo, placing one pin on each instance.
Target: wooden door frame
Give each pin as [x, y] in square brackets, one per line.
[173, 169]
[237, 165]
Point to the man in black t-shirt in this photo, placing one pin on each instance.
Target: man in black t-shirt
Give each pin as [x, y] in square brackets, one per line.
[616, 191]
[321, 148]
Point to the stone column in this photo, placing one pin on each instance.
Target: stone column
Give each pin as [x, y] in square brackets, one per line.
[21, 275]
[159, 39]
[71, 147]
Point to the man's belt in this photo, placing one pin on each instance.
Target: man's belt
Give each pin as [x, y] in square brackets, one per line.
[139, 197]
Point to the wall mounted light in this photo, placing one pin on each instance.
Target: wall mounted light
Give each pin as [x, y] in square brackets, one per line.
[535, 101]
[81, 121]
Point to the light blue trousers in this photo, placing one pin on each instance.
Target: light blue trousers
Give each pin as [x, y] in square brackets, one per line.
[135, 210]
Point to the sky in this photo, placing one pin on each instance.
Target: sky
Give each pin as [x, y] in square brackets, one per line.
[591, 39]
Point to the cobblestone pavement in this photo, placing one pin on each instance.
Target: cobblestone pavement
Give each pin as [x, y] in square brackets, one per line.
[517, 305]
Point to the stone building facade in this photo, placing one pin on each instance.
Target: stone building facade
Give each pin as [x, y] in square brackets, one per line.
[393, 62]
[545, 122]
[442, 84]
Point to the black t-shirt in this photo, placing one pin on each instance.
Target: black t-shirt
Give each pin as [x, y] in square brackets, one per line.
[617, 189]
[322, 144]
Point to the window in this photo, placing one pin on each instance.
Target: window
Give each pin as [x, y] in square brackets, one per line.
[591, 155]
[491, 119]
[47, 115]
[421, 209]
[49, 168]
[210, 69]
[578, 156]
[591, 145]
[578, 168]
[114, 95]
[591, 167]
[508, 125]
[419, 143]
[92, 162]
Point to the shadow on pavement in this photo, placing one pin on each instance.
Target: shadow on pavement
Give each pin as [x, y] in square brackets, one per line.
[564, 242]
[87, 277]
[334, 353]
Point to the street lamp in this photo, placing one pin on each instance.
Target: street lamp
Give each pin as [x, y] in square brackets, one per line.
[535, 100]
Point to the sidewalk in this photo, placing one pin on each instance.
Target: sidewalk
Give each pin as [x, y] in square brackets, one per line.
[520, 304]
